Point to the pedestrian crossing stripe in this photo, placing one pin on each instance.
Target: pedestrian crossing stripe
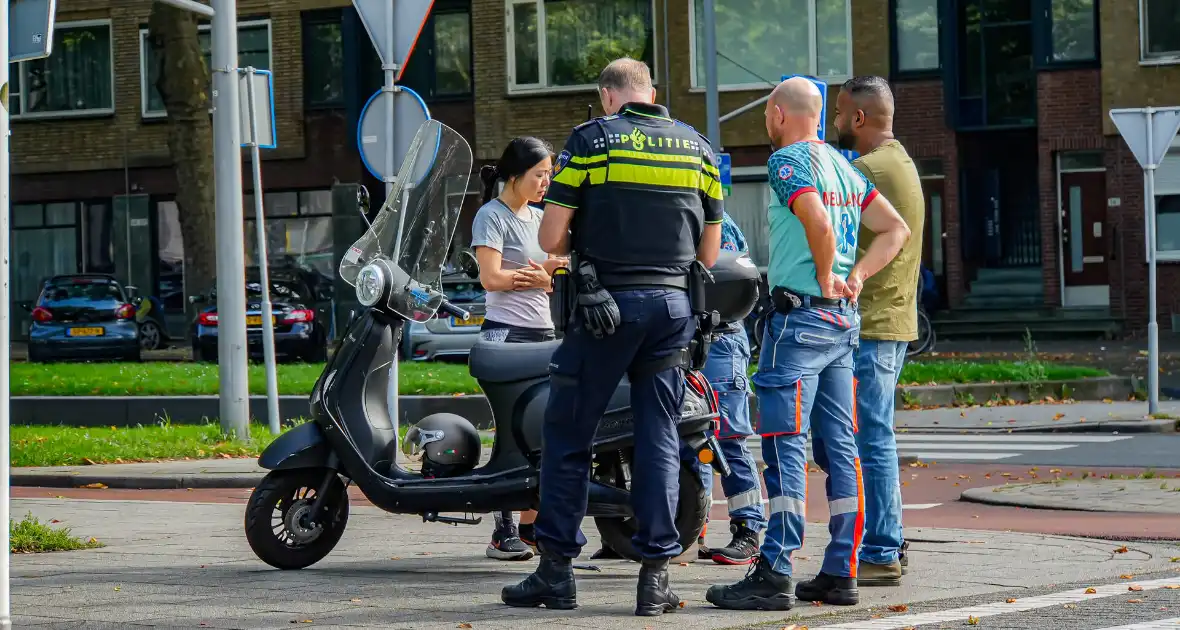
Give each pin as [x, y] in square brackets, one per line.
[1007, 607]
[1160, 624]
[983, 447]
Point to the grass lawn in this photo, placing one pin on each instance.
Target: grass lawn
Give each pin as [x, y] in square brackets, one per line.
[177, 379]
[32, 536]
[946, 372]
[74, 446]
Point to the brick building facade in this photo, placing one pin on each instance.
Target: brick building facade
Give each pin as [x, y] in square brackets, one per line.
[1008, 156]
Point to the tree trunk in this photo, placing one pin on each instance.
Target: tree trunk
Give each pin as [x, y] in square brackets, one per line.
[183, 83]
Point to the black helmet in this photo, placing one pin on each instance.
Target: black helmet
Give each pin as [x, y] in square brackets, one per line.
[734, 290]
[448, 443]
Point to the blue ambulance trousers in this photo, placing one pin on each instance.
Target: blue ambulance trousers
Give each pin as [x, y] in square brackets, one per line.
[805, 381]
[584, 375]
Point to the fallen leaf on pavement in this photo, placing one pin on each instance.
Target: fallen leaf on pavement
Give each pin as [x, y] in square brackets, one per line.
[1135, 587]
[964, 476]
[1055, 471]
[1010, 600]
[817, 604]
[683, 603]
[794, 627]
[1126, 576]
[54, 520]
[1005, 474]
[1091, 591]
[1122, 549]
[684, 564]
[973, 621]
[355, 600]
[1134, 601]
[1058, 416]
[464, 625]
[95, 486]
[1071, 606]
[898, 608]
[395, 558]
[1172, 587]
[118, 588]
[1176, 559]
[940, 478]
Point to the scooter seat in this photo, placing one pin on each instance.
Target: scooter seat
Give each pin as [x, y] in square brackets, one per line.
[497, 362]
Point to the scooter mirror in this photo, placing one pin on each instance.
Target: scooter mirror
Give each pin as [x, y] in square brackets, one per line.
[469, 263]
[362, 199]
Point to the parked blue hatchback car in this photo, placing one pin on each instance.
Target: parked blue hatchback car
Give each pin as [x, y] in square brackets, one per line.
[83, 316]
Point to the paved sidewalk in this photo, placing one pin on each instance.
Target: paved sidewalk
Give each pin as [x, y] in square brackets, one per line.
[1155, 496]
[1125, 417]
[187, 565]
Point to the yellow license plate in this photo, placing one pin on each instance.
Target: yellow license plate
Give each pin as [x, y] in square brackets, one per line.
[253, 320]
[86, 332]
[476, 320]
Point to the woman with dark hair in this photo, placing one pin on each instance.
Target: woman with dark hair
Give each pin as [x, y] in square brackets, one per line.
[515, 272]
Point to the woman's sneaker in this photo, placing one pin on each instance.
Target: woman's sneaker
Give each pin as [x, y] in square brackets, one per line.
[507, 545]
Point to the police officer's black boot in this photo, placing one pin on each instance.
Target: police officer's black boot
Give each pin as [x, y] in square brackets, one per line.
[653, 595]
[551, 585]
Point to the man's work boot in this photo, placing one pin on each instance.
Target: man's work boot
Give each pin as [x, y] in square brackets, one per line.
[653, 595]
[903, 558]
[829, 589]
[740, 550]
[761, 589]
[870, 574]
[551, 585]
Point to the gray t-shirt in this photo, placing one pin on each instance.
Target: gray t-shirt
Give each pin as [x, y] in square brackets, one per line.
[498, 227]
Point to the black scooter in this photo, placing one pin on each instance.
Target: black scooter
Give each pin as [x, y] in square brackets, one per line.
[297, 513]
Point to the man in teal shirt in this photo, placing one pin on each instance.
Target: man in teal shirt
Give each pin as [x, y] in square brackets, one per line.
[805, 369]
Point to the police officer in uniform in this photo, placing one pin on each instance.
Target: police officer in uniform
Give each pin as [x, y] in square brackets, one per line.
[636, 197]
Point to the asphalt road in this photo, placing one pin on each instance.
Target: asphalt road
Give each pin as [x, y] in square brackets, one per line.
[1152, 450]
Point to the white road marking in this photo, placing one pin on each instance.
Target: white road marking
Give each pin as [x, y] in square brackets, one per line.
[920, 506]
[1000, 608]
[949, 455]
[1010, 437]
[1162, 624]
[906, 447]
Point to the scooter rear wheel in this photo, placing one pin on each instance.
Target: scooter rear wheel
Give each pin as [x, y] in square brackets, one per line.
[692, 508]
[276, 518]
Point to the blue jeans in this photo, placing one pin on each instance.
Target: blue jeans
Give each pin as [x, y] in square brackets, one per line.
[878, 368]
[805, 381]
[729, 359]
[584, 374]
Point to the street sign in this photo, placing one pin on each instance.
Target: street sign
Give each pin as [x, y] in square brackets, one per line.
[725, 169]
[823, 94]
[395, 44]
[376, 130]
[1132, 124]
[30, 29]
[264, 108]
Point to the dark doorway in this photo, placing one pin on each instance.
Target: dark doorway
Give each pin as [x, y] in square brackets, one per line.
[1001, 225]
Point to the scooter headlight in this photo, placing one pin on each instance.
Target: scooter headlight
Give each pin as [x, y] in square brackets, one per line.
[370, 285]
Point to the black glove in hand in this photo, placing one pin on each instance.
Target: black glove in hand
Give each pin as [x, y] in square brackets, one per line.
[596, 308]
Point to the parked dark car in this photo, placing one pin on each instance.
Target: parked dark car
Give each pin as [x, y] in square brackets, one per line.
[299, 333]
[83, 316]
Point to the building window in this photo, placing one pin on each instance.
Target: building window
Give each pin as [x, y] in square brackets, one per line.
[452, 54]
[253, 50]
[77, 79]
[1072, 27]
[323, 62]
[755, 54]
[566, 43]
[915, 26]
[1167, 208]
[1159, 37]
[929, 167]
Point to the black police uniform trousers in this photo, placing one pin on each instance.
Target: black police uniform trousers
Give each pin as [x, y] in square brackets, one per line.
[584, 375]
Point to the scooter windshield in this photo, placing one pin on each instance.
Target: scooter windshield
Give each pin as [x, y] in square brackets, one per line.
[414, 228]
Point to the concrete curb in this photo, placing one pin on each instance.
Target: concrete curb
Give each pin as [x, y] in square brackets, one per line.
[124, 411]
[136, 482]
[987, 496]
[124, 481]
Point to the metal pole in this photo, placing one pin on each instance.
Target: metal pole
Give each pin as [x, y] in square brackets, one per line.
[393, 403]
[231, 264]
[268, 326]
[1153, 332]
[743, 109]
[5, 323]
[191, 5]
[712, 107]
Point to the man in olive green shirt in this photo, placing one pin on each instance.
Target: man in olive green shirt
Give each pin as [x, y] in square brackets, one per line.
[889, 319]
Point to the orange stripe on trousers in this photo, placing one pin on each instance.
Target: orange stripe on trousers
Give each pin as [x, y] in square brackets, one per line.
[859, 528]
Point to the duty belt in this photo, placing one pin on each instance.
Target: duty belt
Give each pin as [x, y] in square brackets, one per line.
[619, 281]
[785, 300]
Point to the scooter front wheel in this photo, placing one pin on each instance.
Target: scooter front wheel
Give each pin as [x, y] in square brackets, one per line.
[692, 508]
[279, 523]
